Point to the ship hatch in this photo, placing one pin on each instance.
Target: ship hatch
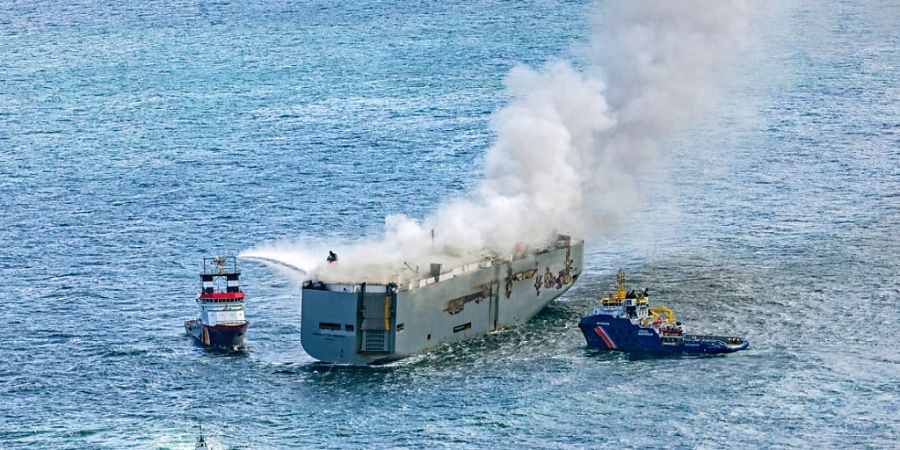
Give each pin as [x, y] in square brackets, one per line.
[378, 309]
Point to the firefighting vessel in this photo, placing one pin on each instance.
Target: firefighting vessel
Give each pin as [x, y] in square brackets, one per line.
[360, 323]
[625, 321]
[221, 324]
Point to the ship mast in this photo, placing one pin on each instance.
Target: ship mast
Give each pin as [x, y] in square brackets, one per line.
[620, 285]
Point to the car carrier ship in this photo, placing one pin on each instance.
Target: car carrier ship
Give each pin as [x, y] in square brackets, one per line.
[362, 323]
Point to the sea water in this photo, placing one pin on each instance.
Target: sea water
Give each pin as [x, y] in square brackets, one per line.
[136, 138]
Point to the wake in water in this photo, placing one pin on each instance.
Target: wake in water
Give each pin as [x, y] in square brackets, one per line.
[568, 144]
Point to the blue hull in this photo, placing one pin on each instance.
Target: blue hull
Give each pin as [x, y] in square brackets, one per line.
[611, 333]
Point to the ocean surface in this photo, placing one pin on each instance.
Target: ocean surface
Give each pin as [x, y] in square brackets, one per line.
[138, 137]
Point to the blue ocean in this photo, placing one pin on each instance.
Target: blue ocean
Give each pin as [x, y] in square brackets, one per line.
[137, 138]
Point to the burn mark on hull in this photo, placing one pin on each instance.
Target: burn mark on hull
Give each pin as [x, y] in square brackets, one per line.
[456, 305]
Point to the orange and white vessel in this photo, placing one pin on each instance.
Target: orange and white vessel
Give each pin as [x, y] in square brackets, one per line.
[221, 324]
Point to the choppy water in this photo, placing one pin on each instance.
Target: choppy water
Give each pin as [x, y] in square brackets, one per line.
[135, 139]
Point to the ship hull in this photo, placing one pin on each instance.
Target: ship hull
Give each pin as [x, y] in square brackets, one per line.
[605, 332]
[230, 337]
[361, 324]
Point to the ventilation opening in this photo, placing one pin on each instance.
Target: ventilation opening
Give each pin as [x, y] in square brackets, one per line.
[329, 326]
[374, 341]
[348, 327]
[464, 326]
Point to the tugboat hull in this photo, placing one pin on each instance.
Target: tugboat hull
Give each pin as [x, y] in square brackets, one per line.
[609, 333]
[229, 337]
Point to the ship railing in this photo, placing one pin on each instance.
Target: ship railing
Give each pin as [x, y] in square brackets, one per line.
[220, 265]
[485, 263]
[453, 273]
[221, 300]
[612, 310]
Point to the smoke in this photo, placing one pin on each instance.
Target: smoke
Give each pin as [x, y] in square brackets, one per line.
[571, 144]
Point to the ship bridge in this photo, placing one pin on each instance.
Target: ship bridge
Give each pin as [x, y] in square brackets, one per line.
[220, 280]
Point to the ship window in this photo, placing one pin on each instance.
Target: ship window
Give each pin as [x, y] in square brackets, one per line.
[329, 326]
[429, 337]
[464, 326]
[399, 327]
[348, 327]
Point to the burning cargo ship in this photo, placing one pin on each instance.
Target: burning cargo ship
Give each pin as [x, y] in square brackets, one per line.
[361, 323]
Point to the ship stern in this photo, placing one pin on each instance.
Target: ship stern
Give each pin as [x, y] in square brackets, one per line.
[348, 324]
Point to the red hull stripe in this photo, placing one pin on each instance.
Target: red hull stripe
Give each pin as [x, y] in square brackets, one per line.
[222, 296]
[609, 342]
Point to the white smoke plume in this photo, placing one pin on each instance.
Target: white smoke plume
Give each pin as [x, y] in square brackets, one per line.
[569, 143]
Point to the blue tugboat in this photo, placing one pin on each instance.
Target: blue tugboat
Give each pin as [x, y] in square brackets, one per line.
[626, 322]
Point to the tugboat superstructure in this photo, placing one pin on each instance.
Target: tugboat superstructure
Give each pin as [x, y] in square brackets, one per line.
[221, 323]
[625, 321]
